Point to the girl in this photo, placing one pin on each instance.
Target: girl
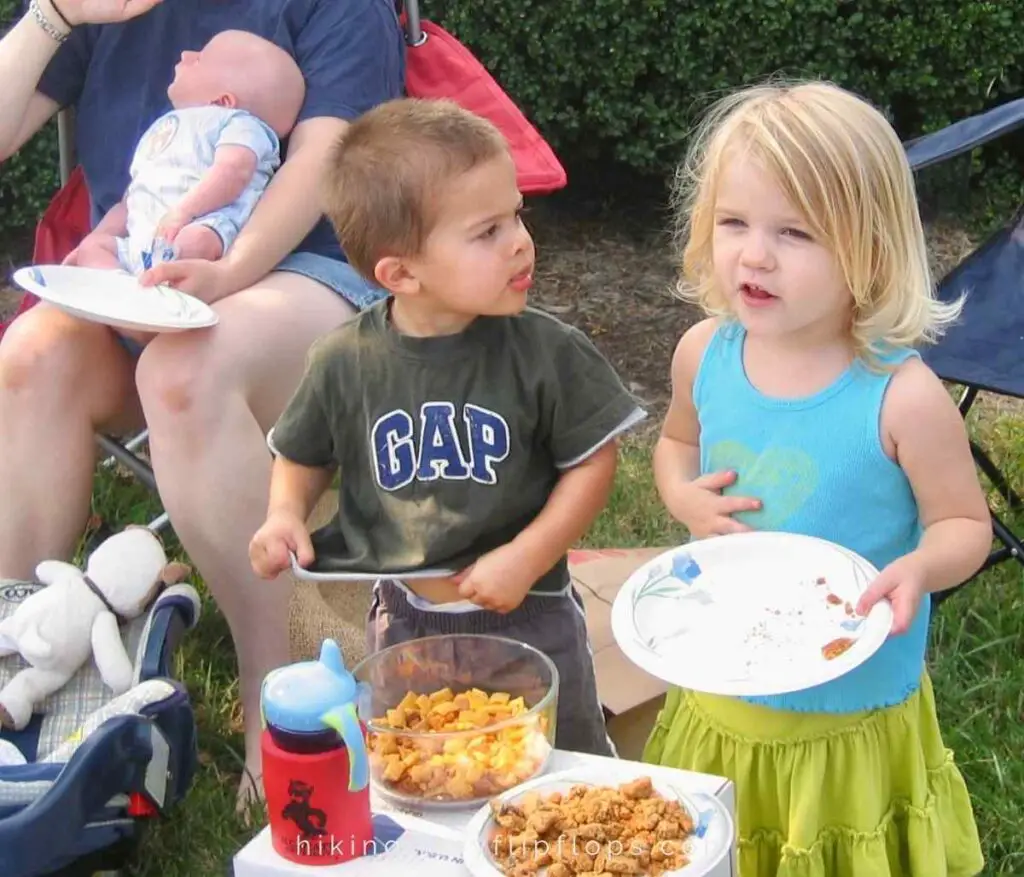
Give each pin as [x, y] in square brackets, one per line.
[801, 406]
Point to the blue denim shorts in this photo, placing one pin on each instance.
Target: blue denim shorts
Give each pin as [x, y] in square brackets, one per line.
[338, 276]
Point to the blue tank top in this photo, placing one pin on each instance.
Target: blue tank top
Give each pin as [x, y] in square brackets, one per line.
[818, 465]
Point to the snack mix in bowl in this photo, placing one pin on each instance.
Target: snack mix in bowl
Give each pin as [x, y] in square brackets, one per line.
[454, 720]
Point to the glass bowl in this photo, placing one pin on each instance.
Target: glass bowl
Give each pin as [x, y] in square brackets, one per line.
[454, 720]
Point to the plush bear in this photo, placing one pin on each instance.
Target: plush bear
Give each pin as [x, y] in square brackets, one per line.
[58, 627]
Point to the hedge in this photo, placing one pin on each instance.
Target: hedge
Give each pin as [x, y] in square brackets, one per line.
[623, 80]
[28, 179]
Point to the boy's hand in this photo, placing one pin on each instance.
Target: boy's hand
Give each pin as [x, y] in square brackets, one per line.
[281, 534]
[903, 583]
[499, 580]
[701, 507]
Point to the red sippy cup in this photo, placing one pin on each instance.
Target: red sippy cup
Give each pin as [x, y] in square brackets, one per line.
[315, 768]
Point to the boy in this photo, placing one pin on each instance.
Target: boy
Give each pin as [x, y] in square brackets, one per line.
[476, 438]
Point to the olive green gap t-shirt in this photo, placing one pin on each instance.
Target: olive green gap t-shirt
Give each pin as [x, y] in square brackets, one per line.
[447, 446]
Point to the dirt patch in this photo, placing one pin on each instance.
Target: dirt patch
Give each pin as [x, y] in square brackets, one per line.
[612, 274]
[615, 282]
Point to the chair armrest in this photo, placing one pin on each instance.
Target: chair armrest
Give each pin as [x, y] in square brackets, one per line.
[113, 761]
[176, 612]
[965, 135]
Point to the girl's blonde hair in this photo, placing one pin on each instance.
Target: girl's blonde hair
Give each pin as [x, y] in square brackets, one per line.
[841, 165]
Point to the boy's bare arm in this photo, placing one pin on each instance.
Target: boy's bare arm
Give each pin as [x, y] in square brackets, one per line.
[501, 579]
[295, 489]
[578, 498]
[232, 170]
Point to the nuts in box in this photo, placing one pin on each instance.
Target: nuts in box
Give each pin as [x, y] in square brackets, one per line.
[457, 747]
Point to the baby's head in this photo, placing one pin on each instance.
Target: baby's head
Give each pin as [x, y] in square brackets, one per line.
[423, 197]
[801, 196]
[240, 70]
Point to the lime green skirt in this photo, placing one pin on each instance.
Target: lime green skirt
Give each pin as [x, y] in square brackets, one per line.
[824, 795]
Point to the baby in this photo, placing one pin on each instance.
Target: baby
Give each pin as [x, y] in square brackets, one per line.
[199, 169]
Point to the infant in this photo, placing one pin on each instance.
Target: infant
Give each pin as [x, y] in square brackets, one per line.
[199, 169]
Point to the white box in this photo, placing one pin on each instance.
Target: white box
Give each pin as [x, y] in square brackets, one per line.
[432, 841]
[427, 852]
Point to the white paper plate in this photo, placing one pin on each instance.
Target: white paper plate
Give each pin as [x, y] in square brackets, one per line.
[363, 576]
[115, 298]
[749, 614]
[711, 842]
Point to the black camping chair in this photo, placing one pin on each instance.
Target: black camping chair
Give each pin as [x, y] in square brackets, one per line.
[985, 349]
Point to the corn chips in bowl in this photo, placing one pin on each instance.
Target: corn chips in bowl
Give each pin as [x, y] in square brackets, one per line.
[454, 720]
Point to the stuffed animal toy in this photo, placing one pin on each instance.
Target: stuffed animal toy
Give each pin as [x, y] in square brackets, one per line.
[58, 627]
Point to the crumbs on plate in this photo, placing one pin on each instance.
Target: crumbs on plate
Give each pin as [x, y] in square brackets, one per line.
[834, 648]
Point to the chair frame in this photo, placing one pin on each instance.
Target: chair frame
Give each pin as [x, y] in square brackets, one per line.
[933, 149]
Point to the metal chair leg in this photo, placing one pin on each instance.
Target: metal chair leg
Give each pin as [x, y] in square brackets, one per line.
[158, 523]
[1011, 546]
[126, 456]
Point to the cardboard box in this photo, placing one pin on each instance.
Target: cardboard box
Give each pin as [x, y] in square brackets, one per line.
[400, 844]
[598, 575]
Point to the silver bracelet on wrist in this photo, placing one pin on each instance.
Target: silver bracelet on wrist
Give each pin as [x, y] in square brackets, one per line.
[48, 27]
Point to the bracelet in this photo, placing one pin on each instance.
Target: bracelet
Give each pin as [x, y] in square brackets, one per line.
[45, 23]
[61, 15]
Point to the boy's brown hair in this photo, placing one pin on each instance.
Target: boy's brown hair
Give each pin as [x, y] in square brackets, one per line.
[386, 174]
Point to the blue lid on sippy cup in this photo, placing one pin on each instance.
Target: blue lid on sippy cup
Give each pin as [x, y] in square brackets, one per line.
[311, 697]
[296, 696]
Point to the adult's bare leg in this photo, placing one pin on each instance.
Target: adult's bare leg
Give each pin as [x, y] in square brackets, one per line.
[210, 397]
[61, 379]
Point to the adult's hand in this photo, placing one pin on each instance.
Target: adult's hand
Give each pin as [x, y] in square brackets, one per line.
[103, 11]
[209, 281]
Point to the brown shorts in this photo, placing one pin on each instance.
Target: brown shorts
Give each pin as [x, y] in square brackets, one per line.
[555, 625]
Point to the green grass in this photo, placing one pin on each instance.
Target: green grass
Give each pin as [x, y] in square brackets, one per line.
[977, 662]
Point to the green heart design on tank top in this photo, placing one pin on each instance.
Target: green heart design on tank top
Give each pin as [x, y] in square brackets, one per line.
[782, 478]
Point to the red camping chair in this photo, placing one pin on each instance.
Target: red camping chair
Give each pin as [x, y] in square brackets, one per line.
[439, 66]
[64, 224]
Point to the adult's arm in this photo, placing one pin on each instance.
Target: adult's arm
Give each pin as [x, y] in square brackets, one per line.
[25, 51]
[289, 208]
[350, 55]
